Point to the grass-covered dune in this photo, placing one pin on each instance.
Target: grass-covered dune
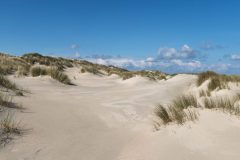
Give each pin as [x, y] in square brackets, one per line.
[9, 127]
[25, 65]
[204, 96]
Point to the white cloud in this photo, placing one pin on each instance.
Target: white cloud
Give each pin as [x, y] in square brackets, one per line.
[119, 62]
[150, 59]
[184, 52]
[179, 62]
[77, 54]
[146, 63]
[167, 53]
[74, 46]
[235, 57]
[211, 46]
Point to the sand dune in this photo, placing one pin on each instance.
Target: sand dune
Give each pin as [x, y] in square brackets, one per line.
[106, 118]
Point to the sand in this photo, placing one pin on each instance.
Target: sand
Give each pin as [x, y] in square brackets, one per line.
[106, 118]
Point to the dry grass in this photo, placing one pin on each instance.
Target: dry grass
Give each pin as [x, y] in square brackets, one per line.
[91, 69]
[59, 76]
[229, 105]
[38, 71]
[10, 64]
[202, 77]
[152, 75]
[8, 129]
[217, 81]
[203, 93]
[7, 84]
[53, 72]
[180, 110]
[185, 101]
[6, 101]
[60, 63]
[23, 70]
[21, 65]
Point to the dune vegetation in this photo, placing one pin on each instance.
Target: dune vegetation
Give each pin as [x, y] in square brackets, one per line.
[216, 81]
[179, 110]
[33, 64]
[8, 125]
[186, 108]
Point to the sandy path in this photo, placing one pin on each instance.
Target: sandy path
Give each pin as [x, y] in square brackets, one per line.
[92, 121]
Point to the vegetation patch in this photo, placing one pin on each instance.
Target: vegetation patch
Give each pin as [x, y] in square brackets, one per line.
[59, 76]
[10, 64]
[226, 104]
[38, 71]
[36, 58]
[203, 93]
[6, 101]
[179, 111]
[217, 81]
[8, 129]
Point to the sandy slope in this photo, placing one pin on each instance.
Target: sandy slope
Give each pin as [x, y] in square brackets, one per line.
[105, 118]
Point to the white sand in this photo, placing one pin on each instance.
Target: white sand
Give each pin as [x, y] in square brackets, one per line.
[105, 118]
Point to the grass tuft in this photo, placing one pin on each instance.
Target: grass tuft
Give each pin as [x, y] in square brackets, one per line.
[226, 104]
[7, 102]
[59, 76]
[202, 77]
[180, 110]
[162, 112]
[217, 81]
[185, 101]
[38, 71]
[8, 129]
[7, 84]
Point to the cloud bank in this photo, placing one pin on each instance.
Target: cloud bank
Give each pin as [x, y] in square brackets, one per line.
[184, 59]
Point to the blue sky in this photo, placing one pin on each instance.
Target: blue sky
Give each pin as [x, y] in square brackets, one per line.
[169, 35]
